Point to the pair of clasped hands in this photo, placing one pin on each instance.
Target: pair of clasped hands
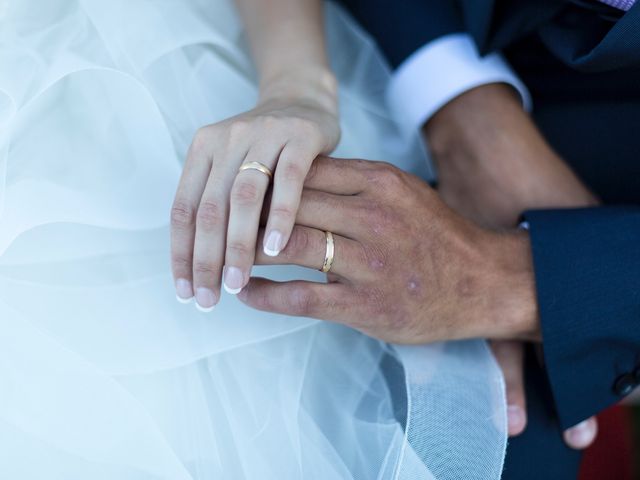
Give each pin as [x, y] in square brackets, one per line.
[412, 265]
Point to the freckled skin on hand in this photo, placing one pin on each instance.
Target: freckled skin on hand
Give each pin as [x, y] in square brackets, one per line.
[376, 264]
[423, 274]
[413, 286]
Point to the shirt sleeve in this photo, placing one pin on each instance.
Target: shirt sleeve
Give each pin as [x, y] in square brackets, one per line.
[441, 70]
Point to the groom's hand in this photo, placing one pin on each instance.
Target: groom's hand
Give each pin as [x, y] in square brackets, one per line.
[407, 268]
[493, 164]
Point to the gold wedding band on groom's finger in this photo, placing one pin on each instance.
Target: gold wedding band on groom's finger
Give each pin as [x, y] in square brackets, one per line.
[329, 254]
[256, 166]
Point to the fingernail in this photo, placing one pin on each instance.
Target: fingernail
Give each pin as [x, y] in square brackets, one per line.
[273, 243]
[233, 280]
[184, 291]
[581, 435]
[515, 419]
[205, 299]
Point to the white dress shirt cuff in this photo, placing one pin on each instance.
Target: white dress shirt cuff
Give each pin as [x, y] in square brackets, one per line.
[440, 71]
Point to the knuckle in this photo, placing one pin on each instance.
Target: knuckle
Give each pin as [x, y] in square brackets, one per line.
[305, 127]
[181, 263]
[301, 301]
[210, 214]
[386, 176]
[204, 269]
[389, 318]
[201, 140]
[238, 129]
[262, 299]
[239, 249]
[269, 121]
[291, 172]
[283, 212]
[373, 211]
[375, 258]
[361, 164]
[377, 217]
[245, 193]
[182, 214]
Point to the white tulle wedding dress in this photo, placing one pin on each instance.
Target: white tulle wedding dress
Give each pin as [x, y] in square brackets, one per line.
[103, 374]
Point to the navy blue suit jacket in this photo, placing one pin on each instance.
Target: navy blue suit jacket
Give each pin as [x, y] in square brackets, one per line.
[581, 62]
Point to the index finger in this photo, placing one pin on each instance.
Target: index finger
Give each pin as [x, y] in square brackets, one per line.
[340, 176]
[298, 298]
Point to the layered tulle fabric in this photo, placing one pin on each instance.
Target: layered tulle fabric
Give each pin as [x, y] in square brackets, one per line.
[103, 374]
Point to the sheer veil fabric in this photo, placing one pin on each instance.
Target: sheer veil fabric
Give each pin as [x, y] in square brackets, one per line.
[103, 374]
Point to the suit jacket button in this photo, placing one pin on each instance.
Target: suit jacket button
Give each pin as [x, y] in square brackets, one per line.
[624, 384]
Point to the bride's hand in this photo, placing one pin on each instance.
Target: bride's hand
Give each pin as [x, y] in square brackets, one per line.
[216, 212]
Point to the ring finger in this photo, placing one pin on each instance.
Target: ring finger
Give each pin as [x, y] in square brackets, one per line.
[307, 247]
[246, 199]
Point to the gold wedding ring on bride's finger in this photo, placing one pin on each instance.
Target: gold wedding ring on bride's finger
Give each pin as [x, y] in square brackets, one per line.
[256, 166]
[329, 253]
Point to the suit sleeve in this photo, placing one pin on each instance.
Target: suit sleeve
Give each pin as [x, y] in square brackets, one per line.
[587, 267]
[401, 28]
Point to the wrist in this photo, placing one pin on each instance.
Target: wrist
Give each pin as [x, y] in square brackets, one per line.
[309, 84]
[493, 294]
[493, 163]
[471, 124]
[512, 306]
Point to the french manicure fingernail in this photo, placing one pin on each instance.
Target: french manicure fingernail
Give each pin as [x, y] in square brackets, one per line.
[233, 280]
[273, 243]
[184, 290]
[205, 299]
[515, 418]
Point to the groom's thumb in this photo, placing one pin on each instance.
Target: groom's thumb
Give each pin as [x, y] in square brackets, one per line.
[510, 357]
[581, 435]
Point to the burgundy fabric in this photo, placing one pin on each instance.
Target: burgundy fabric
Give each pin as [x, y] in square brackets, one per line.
[612, 454]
